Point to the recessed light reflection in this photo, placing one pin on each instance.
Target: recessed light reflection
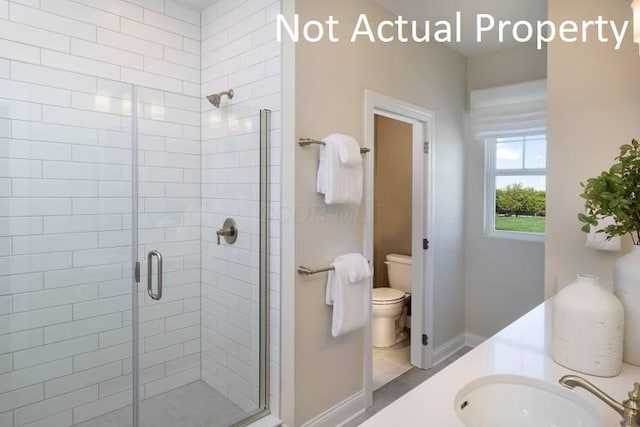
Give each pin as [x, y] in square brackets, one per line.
[215, 119]
[126, 107]
[234, 124]
[157, 112]
[102, 103]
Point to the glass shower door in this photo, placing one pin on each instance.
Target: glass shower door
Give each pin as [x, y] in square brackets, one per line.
[199, 295]
[65, 247]
[168, 250]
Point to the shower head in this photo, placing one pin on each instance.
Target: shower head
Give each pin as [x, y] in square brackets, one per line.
[217, 97]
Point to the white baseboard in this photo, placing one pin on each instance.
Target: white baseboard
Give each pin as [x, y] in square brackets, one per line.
[353, 406]
[340, 414]
[473, 340]
[453, 346]
[268, 421]
[448, 348]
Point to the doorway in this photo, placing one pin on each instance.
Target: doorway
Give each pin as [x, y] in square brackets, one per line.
[391, 249]
[400, 136]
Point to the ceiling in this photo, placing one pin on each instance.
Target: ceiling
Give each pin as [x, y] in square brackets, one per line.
[436, 10]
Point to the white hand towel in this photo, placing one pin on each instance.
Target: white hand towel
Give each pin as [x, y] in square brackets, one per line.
[358, 267]
[351, 300]
[340, 182]
[599, 241]
[348, 149]
[321, 183]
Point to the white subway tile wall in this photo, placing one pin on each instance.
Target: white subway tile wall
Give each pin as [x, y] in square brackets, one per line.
[66, 69]
[66, 218]
[239, 51]
[169, 221]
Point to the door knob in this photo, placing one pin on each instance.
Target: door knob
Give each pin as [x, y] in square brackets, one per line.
[229, 231]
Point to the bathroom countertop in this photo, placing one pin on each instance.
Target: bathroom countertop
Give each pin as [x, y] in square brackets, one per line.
[523, 349]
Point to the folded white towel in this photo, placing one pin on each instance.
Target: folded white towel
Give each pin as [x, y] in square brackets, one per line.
[348, 148]
[599, 241]
[340, 172]
[358, 267]
[321, 182]
[351, 300]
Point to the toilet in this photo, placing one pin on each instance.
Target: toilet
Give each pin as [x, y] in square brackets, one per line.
[389, 303]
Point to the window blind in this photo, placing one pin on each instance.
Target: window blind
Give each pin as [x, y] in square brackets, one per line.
[519, 109]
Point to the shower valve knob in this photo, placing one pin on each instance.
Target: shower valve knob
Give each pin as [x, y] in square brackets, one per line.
[229, 231]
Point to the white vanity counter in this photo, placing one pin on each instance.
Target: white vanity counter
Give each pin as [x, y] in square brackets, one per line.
[520, 349]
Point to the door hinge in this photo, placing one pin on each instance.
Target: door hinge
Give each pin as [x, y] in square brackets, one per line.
[426, 147]
[425, 339]
[137, 272]
[425, 244]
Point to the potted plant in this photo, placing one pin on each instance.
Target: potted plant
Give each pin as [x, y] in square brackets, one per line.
[616, 194]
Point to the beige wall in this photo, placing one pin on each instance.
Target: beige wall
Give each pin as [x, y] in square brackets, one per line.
[330, 84]
[392, 193]
[498, 269]
[594, 107]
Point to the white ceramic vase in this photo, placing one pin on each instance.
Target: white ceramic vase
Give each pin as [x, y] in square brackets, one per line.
[626, 281]
[588, 328]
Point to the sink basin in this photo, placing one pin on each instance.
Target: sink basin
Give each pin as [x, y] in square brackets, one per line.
[508, 401]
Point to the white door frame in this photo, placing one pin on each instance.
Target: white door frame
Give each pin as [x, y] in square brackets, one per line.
[286, 364]
[423, 122]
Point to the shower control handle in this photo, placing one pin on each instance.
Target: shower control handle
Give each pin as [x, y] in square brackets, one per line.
[229, 231]
[158, 255]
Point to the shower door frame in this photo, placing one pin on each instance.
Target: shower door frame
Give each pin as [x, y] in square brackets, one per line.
[264, 272]
[135, 266]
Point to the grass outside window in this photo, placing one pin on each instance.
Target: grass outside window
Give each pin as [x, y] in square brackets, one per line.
[523, 224]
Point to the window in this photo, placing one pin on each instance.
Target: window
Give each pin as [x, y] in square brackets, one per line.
[516, 187]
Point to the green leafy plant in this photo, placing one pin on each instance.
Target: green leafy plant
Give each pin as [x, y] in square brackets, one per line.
[615, 193]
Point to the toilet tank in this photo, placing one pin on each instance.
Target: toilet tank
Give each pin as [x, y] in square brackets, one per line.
[399, 271]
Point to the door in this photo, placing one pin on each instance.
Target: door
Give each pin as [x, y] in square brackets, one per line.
[65, 248]
[201, 251]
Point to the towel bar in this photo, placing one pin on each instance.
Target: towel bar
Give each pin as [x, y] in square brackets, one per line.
[303, 142]
[306, 271]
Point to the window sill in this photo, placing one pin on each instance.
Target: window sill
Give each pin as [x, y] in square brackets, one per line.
[515, 235]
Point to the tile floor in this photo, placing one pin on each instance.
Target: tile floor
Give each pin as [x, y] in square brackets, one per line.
[390, 363]
[193, 405]
[198, 405]
[391, 391]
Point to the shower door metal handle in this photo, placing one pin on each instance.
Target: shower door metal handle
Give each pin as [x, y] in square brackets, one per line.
[157, 254]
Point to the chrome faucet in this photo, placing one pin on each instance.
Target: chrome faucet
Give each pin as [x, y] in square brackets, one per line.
[629, 410]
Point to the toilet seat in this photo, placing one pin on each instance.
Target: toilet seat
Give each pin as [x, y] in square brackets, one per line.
[384, 296]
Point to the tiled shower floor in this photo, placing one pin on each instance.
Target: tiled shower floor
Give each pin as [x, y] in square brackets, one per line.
[193, 405]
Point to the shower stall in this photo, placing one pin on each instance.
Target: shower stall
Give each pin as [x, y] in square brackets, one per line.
[127, 300]
[134, 220]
